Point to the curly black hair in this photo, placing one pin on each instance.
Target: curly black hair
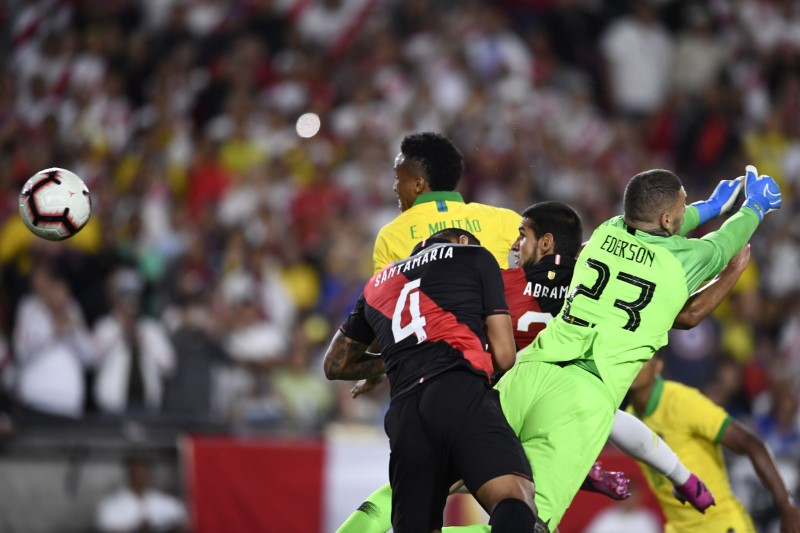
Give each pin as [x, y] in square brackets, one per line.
[440, 160]
[456, 233]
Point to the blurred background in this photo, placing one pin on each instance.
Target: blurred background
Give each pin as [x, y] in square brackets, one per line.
[228, 240]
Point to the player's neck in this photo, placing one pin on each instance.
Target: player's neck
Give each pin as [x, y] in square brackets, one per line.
[652, 228]
[640, 397]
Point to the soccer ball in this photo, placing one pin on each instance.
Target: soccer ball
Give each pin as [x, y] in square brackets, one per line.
[55, 204]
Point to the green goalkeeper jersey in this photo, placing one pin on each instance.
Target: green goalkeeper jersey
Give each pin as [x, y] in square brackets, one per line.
[627, 289]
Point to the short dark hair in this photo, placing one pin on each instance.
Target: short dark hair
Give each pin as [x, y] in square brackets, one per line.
[455, 233]
[561, 221]
[650, 193]
[440, 160]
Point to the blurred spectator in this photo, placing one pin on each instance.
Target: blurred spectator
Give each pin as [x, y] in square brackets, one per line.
[639, 53]
[188, 391]
[690, 354]
[766, 147]
[256, 345]
[324, 23]
[496, 53]
[699, 55]
[134, 352]
[138, 507]
[307, 399]
[779, 426]
[7, 426]
[52, 347]
[256, 404]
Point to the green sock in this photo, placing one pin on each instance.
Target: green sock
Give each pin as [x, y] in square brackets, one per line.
[372, 516]
[475, 528]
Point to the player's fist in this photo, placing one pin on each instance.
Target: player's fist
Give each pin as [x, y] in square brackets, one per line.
[721, 200]
[365, 385]
[761, 192]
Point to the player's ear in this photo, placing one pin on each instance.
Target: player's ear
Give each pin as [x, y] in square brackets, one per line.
[547, 243]
[420, 184]
[463, 239]
[665, 221]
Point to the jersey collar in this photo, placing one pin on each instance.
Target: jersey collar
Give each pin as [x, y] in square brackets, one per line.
[430, 241]
[435, 196]
[556, 259]
[655, 397]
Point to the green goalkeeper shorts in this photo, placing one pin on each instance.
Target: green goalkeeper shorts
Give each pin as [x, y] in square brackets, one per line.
[563, 416]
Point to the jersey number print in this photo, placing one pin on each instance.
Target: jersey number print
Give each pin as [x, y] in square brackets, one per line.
[417, 324]
[532, 317]
[633, 309]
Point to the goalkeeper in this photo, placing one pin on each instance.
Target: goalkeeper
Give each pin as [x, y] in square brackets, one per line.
[632, 279]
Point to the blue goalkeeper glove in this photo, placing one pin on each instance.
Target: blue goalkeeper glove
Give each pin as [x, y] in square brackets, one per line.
[762, 193]
[721, 200]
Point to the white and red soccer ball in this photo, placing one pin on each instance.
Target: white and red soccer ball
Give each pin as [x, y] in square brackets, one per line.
[55, 204]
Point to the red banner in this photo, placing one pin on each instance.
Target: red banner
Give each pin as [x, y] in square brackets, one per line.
[259, 485]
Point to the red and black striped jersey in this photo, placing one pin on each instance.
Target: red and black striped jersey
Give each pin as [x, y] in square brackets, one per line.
[427, 312]
[535, 294]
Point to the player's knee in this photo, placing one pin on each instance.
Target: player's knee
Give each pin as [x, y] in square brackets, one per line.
[496, 490]
[512, 514]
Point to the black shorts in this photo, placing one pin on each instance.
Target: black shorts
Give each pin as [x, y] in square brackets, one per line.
[452, 429]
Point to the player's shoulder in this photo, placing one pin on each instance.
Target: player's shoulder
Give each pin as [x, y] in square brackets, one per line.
[677, 395]
[477, 255]
[503, 212]
[395, 225]
[675, 388]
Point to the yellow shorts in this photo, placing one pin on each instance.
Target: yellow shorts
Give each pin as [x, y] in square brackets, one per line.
[733, 522]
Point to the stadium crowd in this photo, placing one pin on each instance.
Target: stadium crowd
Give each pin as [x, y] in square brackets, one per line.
[223, 247]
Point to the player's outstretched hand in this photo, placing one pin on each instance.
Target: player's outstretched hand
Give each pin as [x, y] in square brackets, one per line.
[696, 493]
[365, 385]
[762, 193]
[790, 519]
[721, 200]
[612, 484]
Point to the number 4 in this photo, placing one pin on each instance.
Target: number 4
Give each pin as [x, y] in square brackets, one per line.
[417, 324]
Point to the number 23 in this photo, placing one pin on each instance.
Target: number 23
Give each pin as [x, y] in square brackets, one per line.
[633, 309]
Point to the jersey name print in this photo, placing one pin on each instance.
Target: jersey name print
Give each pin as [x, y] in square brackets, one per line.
[535, 294]
[628, 250]
[428, 311]
[495, 227]
[419, 259]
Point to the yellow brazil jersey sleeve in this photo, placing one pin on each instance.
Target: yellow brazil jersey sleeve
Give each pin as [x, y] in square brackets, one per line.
[704, 418]
[497, 228]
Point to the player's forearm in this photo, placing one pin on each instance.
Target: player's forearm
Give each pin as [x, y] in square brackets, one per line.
[369, 366]
[741, 440]
[764, 464]
[346, 359]
[500, 337]
[703, 302]
[734, 234]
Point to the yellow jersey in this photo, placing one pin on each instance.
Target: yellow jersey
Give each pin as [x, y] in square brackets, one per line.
[497, 228]
[693, 427]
